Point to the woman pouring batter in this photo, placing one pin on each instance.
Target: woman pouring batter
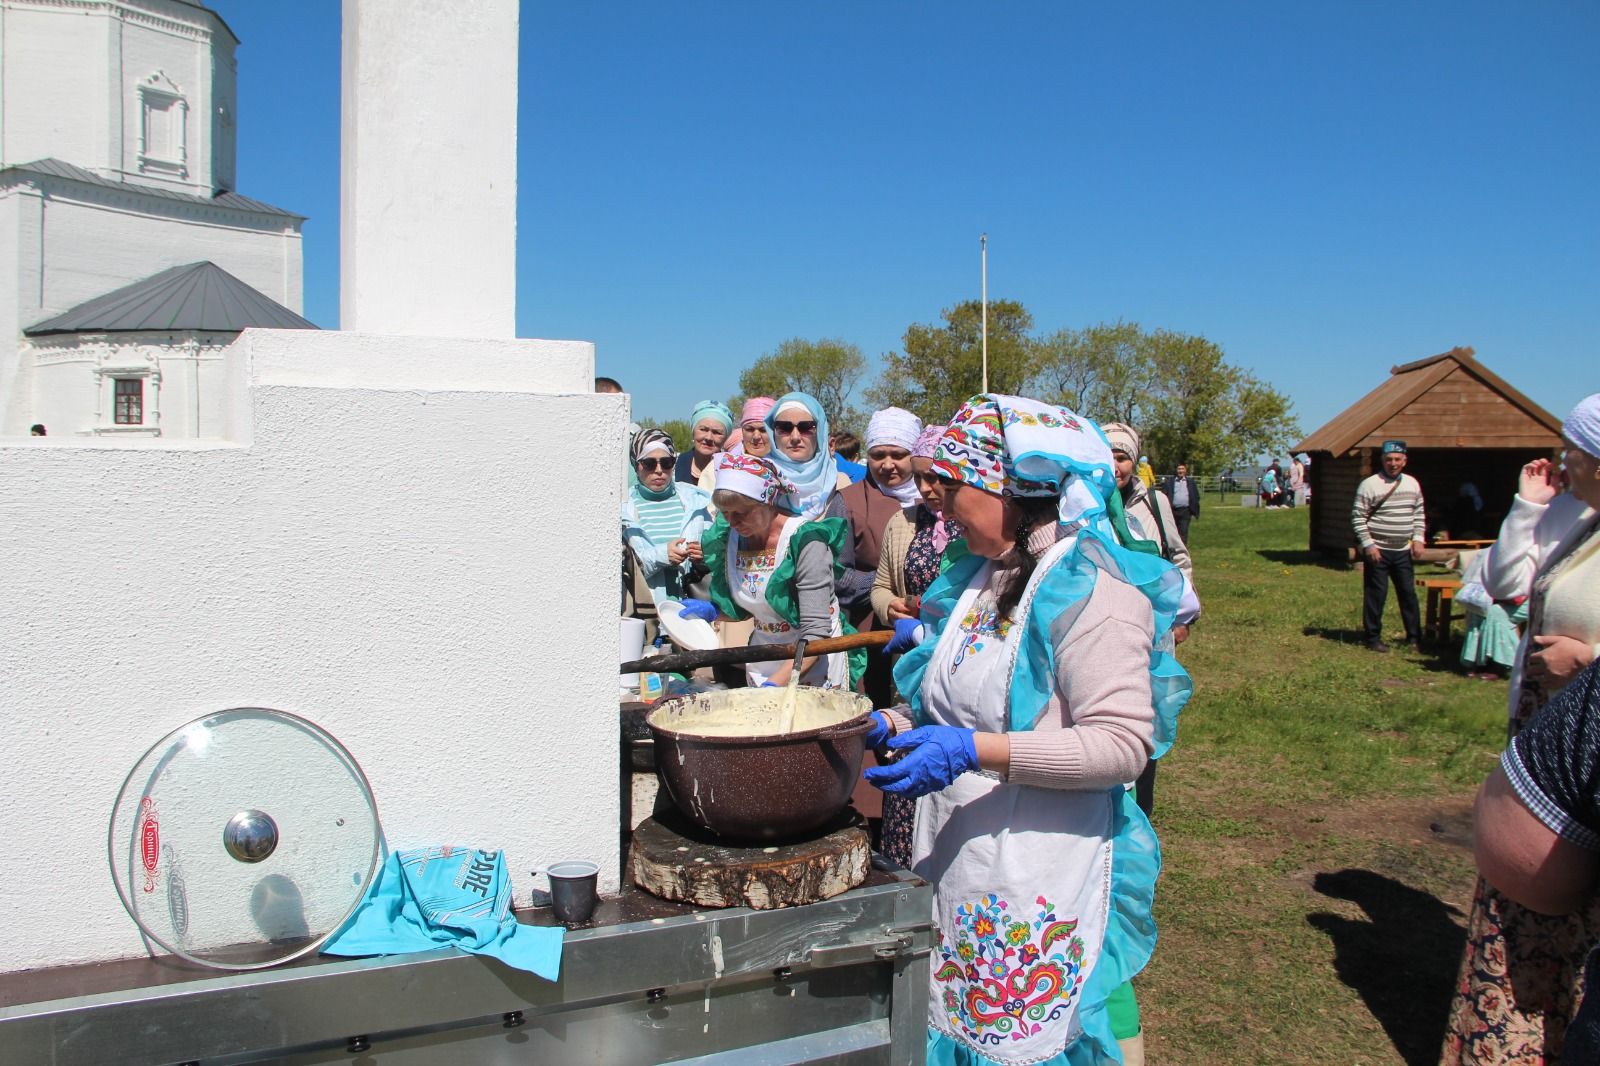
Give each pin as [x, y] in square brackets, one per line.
[1041, 685]
[769, 564]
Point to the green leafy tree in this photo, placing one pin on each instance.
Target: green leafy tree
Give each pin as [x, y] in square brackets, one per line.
[1188, 402]
[942, 365]
[679, 429]
[829, 369]
[1087, 370]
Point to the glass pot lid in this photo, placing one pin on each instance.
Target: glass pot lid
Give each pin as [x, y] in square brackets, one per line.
[244, 839]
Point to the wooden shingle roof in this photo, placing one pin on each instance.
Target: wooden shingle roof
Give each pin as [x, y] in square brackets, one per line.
[1449, 400]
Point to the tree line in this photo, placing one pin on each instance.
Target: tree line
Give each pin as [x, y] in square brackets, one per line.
[1189, 402]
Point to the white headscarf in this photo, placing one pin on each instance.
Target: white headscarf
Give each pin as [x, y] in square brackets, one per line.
[895, 427]
[1582, 426]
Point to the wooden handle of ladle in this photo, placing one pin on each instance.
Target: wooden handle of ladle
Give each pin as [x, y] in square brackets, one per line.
[684, 661]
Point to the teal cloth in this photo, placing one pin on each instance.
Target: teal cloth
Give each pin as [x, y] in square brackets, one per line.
[1491, 635]
[428, 898]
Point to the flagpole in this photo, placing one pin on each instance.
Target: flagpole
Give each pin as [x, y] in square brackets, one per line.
[983, 244]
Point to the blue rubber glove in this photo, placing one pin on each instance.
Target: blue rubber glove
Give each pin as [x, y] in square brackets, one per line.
[881, 730]
[770, 684]
[700, 609]
[934, 756]
[907, 635]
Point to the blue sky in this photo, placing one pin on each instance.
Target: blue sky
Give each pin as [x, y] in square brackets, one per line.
[1323, 190]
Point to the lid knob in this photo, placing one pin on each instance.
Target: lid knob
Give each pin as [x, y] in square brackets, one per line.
[250, 836]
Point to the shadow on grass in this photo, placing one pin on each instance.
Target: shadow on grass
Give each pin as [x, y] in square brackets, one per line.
[1305, 558]
[1401, 959]
[1339, 636]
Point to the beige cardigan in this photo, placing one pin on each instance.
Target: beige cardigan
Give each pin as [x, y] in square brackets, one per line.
[1099, 728]
[890, 583]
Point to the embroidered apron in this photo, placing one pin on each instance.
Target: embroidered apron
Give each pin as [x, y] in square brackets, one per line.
[1022, 874]
[748, 574]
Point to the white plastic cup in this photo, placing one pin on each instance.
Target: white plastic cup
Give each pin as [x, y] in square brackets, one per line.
[632, 649]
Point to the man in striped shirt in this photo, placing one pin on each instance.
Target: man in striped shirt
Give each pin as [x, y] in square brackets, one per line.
[1390, 526]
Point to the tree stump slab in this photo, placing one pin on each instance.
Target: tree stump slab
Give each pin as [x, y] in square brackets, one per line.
[667, 861]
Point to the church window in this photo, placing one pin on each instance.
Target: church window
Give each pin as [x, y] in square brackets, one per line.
[163, 126]
[129, 401]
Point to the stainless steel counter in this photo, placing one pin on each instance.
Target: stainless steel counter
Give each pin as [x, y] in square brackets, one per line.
[844, 981]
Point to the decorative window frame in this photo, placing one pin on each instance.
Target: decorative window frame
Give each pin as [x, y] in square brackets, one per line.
[106, 374]
[160, 100]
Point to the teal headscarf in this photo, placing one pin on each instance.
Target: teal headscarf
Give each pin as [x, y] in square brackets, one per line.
[712, 409]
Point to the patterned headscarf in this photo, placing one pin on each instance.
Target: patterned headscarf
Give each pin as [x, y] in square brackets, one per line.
[815, 480]
[712, 409]
[748, 476]
[1013, 446]
[652, 442]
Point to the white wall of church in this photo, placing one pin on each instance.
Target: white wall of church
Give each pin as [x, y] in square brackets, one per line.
[182, 380]
[77, 244]
[134, 90]
[87, 247]
[422, 559]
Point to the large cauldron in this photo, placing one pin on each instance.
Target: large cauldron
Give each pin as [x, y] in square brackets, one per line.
[728, 768]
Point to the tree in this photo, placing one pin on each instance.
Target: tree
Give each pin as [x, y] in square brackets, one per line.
[1188, 402]
[828, 369]
[1087, 369]
[942, 365]
[679, 429]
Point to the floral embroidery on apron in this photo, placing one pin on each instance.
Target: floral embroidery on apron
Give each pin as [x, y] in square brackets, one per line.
[748, 574]
[1016, 970]
[979, 623]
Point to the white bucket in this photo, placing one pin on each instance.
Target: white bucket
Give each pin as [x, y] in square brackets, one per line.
[632, 648]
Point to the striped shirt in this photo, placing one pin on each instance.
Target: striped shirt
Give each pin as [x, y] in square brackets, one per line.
[1389, 521]
[661, 520]
[1554, 764]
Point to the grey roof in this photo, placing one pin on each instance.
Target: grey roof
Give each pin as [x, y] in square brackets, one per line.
[55, 168]
[199, 296]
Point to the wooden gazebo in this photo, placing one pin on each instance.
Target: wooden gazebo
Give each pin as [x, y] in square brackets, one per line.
[1462, 423]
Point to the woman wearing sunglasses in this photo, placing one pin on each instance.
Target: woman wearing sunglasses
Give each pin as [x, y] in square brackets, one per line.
[663, 519]
[798, 427]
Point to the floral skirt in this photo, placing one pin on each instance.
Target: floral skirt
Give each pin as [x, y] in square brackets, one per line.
[899, 816]
[1520, 983]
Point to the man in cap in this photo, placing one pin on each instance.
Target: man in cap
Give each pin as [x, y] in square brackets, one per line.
[1389, 525]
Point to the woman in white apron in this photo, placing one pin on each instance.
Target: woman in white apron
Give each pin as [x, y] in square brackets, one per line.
[771, 566]
[1043, 683]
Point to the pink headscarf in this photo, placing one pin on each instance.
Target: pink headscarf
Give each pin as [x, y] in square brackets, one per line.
[923, 449]
[755, 409]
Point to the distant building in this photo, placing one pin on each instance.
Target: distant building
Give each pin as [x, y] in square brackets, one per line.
[117, 135]
[1463, 425]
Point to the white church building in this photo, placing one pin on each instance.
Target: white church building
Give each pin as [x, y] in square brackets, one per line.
[128, 263]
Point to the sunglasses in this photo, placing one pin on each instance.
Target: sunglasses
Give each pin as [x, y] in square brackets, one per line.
[655, 464]
[808, 426]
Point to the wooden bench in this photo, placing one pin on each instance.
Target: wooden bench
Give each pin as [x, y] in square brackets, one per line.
[1436, 616]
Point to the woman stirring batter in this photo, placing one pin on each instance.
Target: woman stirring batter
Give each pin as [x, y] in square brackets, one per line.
[777, 568]
[1042, 683]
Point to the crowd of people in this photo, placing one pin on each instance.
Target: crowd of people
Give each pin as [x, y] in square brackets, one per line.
[1037, 582]
[1033, 587]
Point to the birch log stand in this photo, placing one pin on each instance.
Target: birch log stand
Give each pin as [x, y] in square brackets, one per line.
[671, 860]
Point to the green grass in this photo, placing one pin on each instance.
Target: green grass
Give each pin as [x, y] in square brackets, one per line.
[1312, 817]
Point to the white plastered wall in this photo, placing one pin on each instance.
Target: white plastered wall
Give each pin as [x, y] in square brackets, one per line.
[410, 541]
